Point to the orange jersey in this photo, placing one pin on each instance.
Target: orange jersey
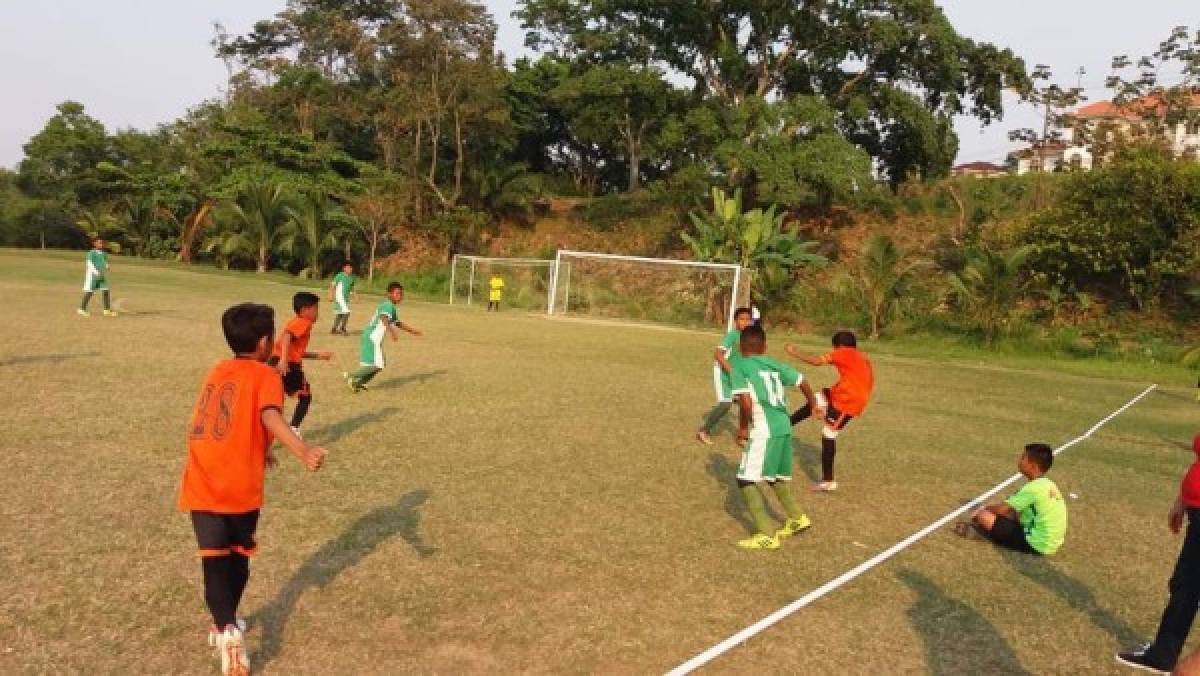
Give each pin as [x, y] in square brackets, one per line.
[855, 380]
[227, 442]
[301, 330]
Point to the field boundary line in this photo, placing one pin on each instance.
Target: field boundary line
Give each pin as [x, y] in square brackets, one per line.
[756, 628]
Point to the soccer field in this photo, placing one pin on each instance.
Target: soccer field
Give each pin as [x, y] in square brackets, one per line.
[523, 494]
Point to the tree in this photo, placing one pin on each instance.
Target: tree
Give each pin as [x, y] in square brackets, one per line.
[253, 223]
[848, 52]
[376, 212]
[61, 159]
[314, 227]
[137, 218]
[879, 279]
[755, 239]
[990, 284]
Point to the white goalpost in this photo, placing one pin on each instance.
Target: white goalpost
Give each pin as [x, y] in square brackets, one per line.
[527, 278]
[637, 287]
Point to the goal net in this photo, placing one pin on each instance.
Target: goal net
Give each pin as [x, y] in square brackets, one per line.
[610, 286]
[526, 280]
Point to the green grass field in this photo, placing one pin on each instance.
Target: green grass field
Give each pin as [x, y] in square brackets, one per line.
[521, 494]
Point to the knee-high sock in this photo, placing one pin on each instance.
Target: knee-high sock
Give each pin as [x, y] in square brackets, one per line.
[340, 322]
[714, 416]
[302, 403]
[240, 575]
[87, 298]
[364, 374]
[801, 414]
[828, 450]
[758, 510]
[105, 295]
[783, 491]
[218, 589]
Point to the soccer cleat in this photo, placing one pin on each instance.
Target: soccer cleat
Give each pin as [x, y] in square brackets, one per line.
[350, 382]
[214, 634]
[793, 527]
[823, 487]
[703, 437]
[296, 431]
[234, 660]
[82, 313]
[110, 313]
[759, 541]
[1136, 658]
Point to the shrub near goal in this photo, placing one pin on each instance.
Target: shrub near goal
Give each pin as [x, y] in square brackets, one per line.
[526, 280]
[649, 289]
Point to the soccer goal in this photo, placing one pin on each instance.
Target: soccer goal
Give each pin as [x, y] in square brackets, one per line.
[604, 285]
[526, 280]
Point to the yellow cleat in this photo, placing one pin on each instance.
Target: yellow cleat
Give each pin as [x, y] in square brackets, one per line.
[110, 313]
[82, 312]
[793, 527]
[759, 541]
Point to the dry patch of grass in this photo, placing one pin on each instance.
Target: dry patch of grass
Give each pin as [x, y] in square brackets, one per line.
[517, 494]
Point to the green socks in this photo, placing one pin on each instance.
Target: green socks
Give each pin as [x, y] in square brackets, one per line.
[714, 416]
[784, 493]
[758, 509]
[364, 374]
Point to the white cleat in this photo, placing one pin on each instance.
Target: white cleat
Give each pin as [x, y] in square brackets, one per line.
[214, 634]
[296, 431]
[234, 659]
[823, 487]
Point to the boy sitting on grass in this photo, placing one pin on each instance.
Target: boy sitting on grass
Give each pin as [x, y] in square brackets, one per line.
[1034, 520]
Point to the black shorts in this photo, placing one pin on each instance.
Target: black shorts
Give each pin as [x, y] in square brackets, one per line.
[222, 534]
[1008, 533]
[294, 382]
[835, 419]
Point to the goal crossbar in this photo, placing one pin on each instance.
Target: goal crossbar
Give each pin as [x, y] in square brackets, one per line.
[558, 263]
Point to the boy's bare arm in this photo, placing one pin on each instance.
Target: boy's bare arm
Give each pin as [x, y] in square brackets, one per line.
[284, 344]
[311, 456]
[722, 360]
[811, 360]
[324, 355]
[407, 328]
[1002, 509]
[745, 413]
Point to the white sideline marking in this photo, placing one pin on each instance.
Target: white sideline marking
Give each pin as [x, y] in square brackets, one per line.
[749, 632]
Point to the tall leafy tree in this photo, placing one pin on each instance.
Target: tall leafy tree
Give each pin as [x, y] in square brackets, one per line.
[61, 160]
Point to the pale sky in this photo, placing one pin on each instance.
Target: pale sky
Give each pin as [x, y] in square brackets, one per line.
[138, 63]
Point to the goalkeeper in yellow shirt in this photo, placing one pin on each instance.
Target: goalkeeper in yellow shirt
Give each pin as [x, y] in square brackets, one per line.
[496, 286]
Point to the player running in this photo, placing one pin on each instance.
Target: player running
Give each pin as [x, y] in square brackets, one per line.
[341, 291]
[292, 349]
[726, 353]
[385, 321]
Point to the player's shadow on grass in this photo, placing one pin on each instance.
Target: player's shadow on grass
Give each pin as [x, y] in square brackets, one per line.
[808, 457]
[21, 360]
[412, 378]
[725, 472]
[337, 556]
[335, 432]
[957, 638]
[1074, 592]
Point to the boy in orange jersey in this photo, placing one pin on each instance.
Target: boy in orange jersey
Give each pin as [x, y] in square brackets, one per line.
[238, 414]
[843, 402]
[294, 344]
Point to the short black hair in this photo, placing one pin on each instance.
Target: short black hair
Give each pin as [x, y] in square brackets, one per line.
[742, 311]
[1041, 455]
[395, 285]
[845, 339]
[754, 337]
[247, 323]
[304, 299]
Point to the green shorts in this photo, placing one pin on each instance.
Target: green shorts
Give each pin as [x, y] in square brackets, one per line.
[371, 353]
[766, 459]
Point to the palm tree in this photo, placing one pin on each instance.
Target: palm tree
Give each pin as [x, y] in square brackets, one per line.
[880, 279]
[990, 284]
[137, 219]
[314, 227]
[252, 224]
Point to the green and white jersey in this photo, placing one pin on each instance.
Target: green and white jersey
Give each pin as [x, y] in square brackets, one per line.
[376, 330]
[94, 275]
[1043, 514]
[766, 381]
[343, 284]
[721, 381]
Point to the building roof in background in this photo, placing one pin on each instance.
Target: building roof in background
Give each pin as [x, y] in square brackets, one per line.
[980, 166]
[1108, 109]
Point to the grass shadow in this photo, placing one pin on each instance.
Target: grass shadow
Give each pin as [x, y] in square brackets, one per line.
[1077, 594]
[335, 432]
[1182, 445]
[724, 471]
[808, 457]
[1190, 398]
[405, 380]
[956, 637]
[23, 359]
[335, 557]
